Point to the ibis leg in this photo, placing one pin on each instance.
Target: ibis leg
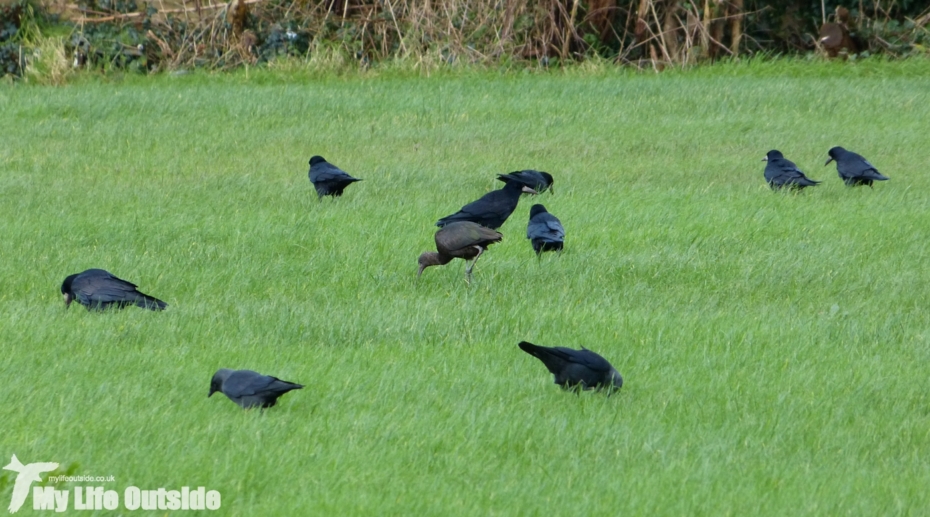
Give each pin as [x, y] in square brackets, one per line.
[472, 265]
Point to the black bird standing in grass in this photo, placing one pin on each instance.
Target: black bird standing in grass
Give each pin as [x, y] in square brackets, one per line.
[491, 209]
[576, 368]
[98, 289]
[536, 180]
[328, 179]
[782, 172]
[461, 239]
[853, 169]
[250, 389]
[544, 230]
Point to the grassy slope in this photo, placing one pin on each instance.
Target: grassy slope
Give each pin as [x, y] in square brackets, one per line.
[774, 346]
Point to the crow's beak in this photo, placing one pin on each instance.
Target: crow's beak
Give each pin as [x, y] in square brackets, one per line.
[212, 391]
[830, 159]
[420, 270]
[551, 190]
[67, 300]
[765, 159]
[528, 190]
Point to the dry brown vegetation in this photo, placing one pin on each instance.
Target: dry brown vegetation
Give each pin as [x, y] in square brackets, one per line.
[645, 33]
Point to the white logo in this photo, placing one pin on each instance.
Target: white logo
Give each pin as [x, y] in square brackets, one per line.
[97, 497]
[27, 474]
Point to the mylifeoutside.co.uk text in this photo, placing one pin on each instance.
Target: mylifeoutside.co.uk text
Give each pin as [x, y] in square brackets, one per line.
[81, 479]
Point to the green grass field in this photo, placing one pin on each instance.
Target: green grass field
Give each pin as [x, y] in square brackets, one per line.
[774, 346]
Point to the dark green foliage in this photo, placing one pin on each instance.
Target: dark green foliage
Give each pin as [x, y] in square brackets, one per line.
[791, 26]
[11, 53]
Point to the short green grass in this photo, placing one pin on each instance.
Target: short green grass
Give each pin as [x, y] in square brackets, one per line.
[774, 346]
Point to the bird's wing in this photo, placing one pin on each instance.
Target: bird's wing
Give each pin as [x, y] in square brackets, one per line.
[244, 383]
[101, 275]
[458, 236]
[280, 386]
[15, 465]
[856, 166]
[587, 358]
[103, 288]
[782, 171]
[555, 228]
[492, 205]
[517, 176]
[44, 467]
[535, 229]
[545, 226]
[326, 172]
[529, 178]
[483, 234]
[265, 384]
[870, 171]
[554, 358]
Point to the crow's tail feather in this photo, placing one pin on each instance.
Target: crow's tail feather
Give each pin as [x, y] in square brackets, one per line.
[541, 352]
[150, 302]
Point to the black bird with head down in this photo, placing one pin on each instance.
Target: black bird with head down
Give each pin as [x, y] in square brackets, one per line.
[250, 389]
[328, 179]
[544, 230]
[781, 172]
[853, 169]
[537, 180]
[461, 239]
[99, 289]
[576, 368]
[491, 209]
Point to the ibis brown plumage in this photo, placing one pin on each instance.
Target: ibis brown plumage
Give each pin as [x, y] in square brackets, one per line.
[462, 239]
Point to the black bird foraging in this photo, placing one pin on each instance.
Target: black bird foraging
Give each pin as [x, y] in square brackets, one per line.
[491, 209]
[576, 368]
[781, 172]
[328, 179]
[544, 230]
[99, 289]
[853, 169]
[537, 180]
[461, 239]
[250, 389]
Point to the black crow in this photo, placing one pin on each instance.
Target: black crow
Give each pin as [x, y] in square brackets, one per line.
[250, 389]
[544, 230]
[461, 239]
[328, 179]
[491, 209]
[782, 172]
[853, 169]
[576, 368]
[536, 180]
[98, 289]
